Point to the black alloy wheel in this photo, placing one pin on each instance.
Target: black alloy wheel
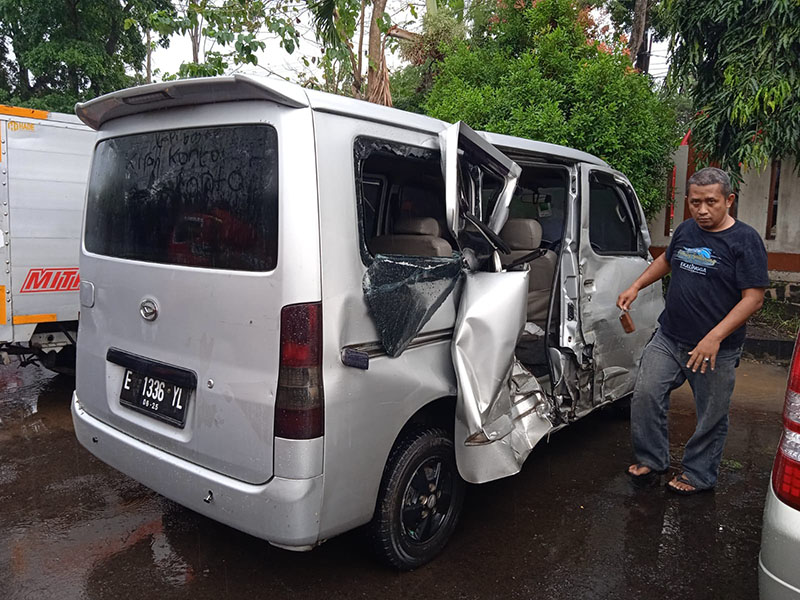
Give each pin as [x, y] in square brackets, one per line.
[427, 499]
[420, 500]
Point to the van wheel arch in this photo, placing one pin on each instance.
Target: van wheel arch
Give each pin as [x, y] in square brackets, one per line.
[439, 413]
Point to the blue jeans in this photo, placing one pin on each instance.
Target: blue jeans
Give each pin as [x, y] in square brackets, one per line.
[663, 368]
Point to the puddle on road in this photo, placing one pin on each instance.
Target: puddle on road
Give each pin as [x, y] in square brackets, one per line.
[67, 532]
[31, 400]
[65, 514]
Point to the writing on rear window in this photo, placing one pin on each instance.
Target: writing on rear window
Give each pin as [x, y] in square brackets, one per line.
[204, 197]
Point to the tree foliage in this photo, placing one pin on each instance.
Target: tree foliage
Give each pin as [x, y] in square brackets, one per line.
[225, 32]
[538, 70]
[441, 30]
[740, 63]
[57, 52]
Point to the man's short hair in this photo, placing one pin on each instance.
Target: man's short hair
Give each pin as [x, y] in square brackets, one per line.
[711, 176]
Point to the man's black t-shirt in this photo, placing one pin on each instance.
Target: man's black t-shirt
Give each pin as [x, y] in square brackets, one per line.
[709, 272]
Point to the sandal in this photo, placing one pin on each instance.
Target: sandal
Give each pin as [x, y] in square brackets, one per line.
[645, 478]
[685, 480]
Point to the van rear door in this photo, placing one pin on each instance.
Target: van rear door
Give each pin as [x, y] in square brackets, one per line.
[187, 262]
[613, 252]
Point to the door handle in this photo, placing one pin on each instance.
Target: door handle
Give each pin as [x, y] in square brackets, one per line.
[588, 282]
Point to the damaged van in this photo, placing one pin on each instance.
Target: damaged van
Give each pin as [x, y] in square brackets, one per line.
[302, 313]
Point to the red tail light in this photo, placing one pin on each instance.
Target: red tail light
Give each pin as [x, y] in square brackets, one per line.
[300, 400]
[786, 470]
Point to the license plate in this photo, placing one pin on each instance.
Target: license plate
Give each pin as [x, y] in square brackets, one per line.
[155, 397]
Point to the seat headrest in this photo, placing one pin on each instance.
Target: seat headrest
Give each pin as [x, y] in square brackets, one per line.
[522, 234]
[417, 226]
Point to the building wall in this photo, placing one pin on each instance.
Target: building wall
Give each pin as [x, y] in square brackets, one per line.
[784, 251]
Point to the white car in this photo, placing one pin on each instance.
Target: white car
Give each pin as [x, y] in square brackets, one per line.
[778, 575]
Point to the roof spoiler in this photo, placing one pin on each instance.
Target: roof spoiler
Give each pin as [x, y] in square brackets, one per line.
[184, 92]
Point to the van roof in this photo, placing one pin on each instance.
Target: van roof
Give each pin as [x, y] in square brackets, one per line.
[32, 113]
[185, 92]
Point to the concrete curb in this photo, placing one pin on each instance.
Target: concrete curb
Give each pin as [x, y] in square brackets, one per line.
[763, 348]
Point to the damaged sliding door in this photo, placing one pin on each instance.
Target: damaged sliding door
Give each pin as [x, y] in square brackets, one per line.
[501, 408]
[613, 252]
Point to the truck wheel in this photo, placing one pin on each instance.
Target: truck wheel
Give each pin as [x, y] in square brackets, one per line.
[419, 501]
[62, 362]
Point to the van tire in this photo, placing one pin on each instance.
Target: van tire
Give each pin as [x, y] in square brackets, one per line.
[410, 478]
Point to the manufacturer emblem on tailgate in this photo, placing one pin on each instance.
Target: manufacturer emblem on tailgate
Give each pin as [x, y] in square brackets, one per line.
[148, 309]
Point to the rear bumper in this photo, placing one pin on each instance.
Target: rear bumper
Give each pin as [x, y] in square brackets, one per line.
[778, 576]
[282, 511]
[772, 588]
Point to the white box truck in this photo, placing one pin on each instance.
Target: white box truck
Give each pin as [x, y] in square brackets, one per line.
[44, 162]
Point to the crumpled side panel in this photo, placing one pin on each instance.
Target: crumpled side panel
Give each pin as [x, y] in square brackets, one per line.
[501, 410]
[402, 293]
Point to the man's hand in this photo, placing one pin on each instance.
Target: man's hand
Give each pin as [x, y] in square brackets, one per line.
[703, 355]
[655, 271]
[626, 298]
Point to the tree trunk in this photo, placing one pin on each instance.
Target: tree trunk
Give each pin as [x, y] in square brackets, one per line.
[25, 88]
[360, 67]
[195, 37]
[149, 59]
[377, 76]
[638, 30]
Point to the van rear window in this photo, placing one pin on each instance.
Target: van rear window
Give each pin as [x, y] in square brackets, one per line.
[205, 197]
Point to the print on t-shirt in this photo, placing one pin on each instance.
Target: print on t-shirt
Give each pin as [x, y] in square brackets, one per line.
[697, 260]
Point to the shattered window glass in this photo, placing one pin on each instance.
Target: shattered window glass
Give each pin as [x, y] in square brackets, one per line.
[401, 202]
[403, 294]
[411, 264]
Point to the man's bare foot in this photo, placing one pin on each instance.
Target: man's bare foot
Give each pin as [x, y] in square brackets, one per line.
[639, 470]
[680, 485]
[679, 482]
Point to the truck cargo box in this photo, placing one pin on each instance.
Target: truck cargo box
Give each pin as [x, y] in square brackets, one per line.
[44, 161]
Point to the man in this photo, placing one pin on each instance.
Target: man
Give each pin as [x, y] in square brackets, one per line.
[719, 272]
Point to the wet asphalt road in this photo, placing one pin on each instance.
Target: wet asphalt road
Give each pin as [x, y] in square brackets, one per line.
[569, 526]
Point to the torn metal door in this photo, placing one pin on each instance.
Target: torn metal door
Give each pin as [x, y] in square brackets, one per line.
[613, 252]
[466, 156]
[501, 412]
[501, 409]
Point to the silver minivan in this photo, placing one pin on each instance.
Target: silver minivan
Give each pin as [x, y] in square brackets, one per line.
[302, 313]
